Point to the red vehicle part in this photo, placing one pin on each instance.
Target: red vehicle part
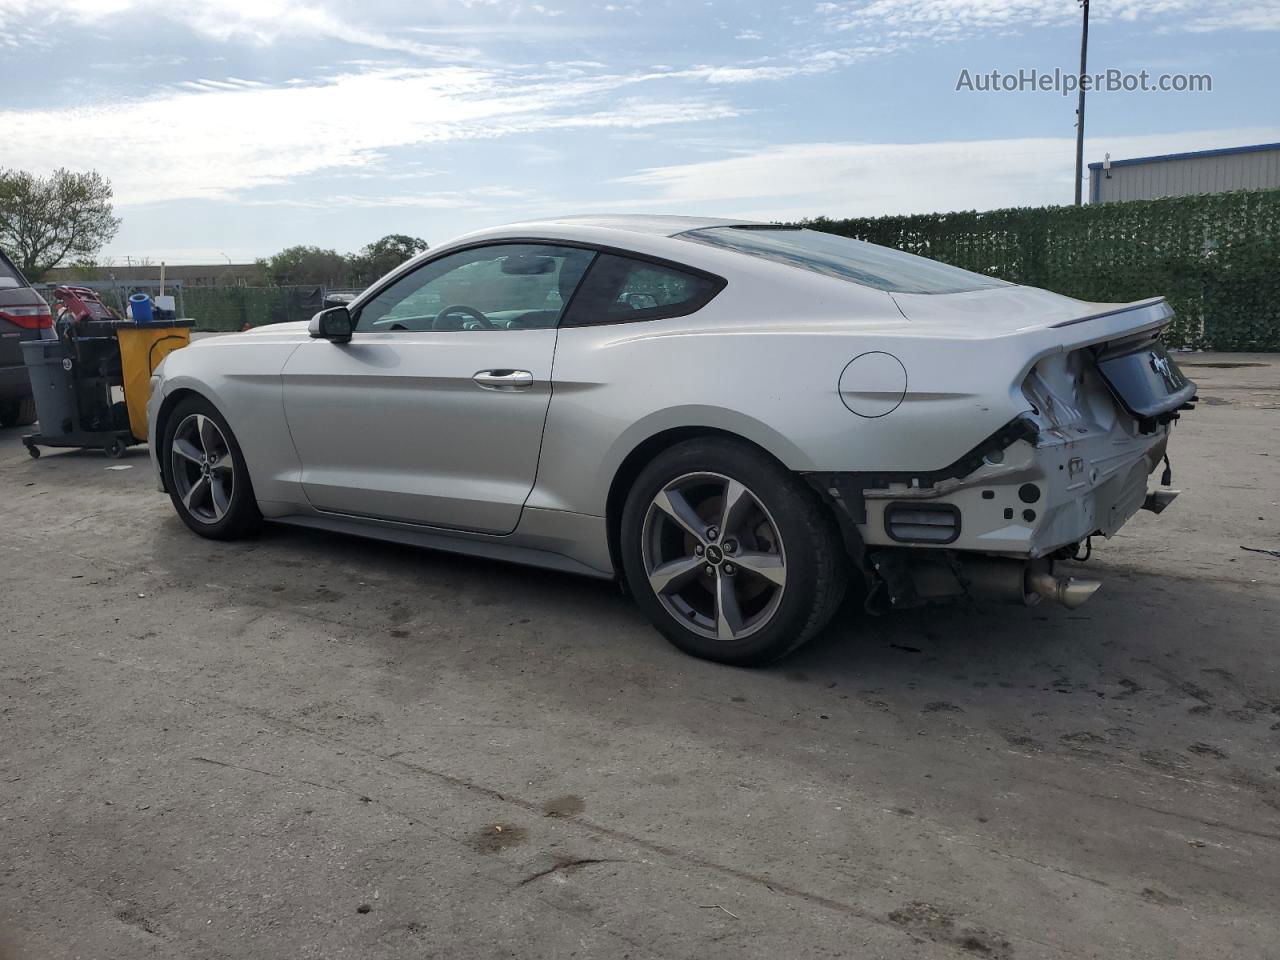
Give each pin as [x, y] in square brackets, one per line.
[82, 304]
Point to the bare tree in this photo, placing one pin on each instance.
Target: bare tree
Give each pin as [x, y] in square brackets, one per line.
[47, 220]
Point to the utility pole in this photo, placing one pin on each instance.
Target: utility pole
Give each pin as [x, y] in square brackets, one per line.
[1084, 55]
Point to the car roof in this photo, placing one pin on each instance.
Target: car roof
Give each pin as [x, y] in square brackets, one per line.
[652, 224]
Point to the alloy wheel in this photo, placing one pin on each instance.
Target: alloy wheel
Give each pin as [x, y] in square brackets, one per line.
[203, 468]
[713, 556]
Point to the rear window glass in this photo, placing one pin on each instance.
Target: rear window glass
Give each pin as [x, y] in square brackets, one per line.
[845, 258]
[9, 276]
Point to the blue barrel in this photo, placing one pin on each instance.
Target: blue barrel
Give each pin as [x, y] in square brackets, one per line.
[140, 305]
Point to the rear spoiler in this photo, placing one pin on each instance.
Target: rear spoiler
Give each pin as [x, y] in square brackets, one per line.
[1123, 308]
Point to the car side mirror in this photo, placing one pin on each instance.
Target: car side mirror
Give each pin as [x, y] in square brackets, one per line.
[333, 325]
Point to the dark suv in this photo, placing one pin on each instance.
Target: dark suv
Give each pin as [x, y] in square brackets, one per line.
[23, 316]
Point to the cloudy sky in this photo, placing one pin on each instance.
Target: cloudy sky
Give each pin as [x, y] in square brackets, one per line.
[237, 127]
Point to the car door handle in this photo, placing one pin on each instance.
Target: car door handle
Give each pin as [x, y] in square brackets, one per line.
[505, 380]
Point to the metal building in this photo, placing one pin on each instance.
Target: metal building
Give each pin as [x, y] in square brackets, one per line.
[1183, 174]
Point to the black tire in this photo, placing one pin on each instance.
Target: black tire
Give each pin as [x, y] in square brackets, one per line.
[809, 547]
[19, 412]
[241, 517]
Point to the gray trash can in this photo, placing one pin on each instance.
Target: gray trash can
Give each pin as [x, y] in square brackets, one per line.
[49, 367]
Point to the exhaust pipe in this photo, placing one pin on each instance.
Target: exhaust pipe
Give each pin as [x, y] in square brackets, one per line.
[1068, 591]
[1157, 500]
[1015, 581]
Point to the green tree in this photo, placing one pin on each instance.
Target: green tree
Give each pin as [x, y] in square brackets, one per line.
[304, 264]
[47, 220]
[383, 256]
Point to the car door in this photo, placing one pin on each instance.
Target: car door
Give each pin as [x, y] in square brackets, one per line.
[433, 412]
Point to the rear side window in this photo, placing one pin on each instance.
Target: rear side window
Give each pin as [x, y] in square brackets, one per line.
[620, 289]
[847, 259]
[9, 275]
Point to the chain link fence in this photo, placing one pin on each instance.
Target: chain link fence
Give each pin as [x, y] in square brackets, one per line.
[1215, 257]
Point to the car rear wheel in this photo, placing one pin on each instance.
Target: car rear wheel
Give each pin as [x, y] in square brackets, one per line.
[205, 473]
[19, 412]
[730, 555]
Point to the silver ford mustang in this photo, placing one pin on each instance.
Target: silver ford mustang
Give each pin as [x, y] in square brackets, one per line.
[735, 419]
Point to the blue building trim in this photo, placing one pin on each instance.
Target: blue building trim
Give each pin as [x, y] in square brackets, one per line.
[1222, 152]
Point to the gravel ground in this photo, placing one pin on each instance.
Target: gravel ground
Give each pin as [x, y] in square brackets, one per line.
[313, 746]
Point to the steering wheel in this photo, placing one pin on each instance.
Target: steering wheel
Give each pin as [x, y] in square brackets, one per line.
[461, 308]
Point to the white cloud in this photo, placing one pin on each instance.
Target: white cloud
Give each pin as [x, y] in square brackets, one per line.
[255, 21]
[942, 20]
[1255, 17]
[223, 137]
[802, 64]
[449, 200]
[862, 179]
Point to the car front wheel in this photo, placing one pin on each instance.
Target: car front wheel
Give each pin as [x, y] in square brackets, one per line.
[731, 556]
[205, 473]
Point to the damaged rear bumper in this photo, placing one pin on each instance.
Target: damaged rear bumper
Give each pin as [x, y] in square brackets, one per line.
[1027, 499]
[1032, 501]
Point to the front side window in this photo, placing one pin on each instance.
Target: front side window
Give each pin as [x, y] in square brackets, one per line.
[621, 289]
[509, 286]
[883, 268]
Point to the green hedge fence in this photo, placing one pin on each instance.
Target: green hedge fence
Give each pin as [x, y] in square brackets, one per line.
[230, 308]
[1216, 257]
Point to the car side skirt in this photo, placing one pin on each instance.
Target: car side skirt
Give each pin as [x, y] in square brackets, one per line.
[552, 539]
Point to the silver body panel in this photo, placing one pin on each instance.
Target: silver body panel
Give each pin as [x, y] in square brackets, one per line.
[388, 436]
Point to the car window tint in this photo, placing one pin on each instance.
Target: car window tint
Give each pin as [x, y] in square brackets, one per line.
[511, 286]
[883, 268]
[619, 289]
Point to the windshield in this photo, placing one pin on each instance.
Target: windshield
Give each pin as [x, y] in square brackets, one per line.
[845, 258]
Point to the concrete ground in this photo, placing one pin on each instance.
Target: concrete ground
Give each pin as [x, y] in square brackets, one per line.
[312, 746]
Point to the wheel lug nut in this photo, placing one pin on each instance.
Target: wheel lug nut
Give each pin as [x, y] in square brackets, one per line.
[713, 532]
[698, 550]
[730, 546]
[710, 570]
[729, 568]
